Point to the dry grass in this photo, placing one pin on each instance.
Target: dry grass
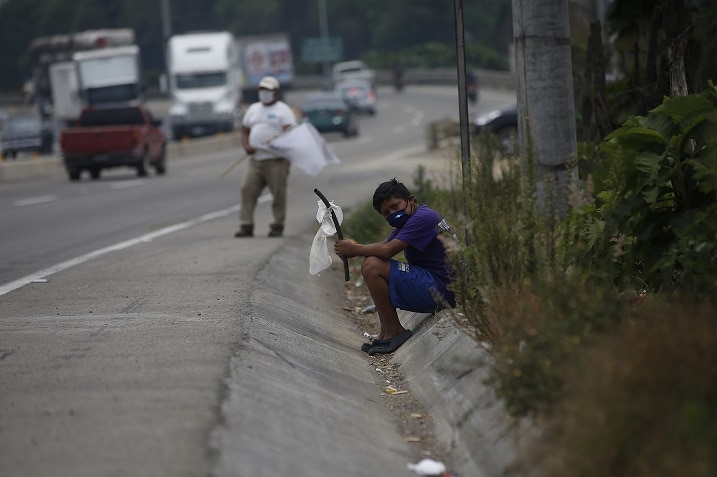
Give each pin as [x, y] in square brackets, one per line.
[641, 401]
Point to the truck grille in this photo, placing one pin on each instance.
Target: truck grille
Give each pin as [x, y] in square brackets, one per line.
[200, 110]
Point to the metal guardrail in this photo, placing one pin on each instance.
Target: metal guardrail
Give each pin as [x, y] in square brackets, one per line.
[437, 76]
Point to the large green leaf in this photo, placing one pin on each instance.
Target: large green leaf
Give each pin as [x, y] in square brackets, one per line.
[660, 123]
[638, 137]
[685, 105]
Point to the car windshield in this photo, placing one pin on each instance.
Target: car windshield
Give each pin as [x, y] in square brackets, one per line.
[351, 70]
[16, 125]
[201, 80]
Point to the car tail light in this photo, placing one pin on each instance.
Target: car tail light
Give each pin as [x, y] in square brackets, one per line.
[340, 112]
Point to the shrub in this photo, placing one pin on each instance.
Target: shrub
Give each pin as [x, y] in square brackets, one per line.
[657, 191]
[640, 402]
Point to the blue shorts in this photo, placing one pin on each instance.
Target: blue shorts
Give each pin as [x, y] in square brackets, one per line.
[413, 288]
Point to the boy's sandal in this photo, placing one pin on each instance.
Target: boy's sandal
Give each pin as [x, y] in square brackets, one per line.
[365, 347]
[390, 345]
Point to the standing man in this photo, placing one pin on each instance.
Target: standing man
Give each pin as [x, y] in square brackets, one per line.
[262, 122]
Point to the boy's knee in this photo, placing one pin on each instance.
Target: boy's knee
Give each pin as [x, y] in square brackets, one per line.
[373, 266]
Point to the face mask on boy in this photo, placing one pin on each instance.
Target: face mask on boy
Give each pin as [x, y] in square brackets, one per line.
[397, 219]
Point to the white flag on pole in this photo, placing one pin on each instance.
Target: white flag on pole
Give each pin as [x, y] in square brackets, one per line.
[319, 256]
[304, 147]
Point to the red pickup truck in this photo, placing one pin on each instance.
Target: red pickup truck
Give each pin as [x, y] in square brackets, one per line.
[105, 137]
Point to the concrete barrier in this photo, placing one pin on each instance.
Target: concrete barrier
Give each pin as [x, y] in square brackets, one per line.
[51, 167]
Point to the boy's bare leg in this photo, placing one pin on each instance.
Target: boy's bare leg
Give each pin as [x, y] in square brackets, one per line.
[376, 272]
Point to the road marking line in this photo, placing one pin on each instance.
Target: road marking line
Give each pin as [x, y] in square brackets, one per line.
[35, 200]
[41, 276]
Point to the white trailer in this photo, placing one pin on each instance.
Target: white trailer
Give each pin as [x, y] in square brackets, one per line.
[109, 75]
[204, 82]
[64, 84]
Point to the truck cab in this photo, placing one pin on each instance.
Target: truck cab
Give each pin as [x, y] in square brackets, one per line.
[204, 81]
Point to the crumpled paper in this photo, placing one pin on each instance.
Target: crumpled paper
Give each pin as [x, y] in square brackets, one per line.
[319, 256]
[428, 467]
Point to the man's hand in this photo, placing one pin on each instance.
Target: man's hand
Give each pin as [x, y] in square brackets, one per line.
[345, 248]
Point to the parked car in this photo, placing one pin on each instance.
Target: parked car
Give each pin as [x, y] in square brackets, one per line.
[329, 112]
[107, 137]
[353, 70]
[358, 94]
[26, 133]
[504, 124]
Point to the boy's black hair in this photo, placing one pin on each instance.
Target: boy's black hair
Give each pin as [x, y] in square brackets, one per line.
[387, 190]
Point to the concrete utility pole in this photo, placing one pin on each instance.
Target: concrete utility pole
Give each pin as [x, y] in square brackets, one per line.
[463, 103]
[546, 106]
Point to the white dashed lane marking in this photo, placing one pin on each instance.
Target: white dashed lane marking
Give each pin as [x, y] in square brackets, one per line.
[35, 200]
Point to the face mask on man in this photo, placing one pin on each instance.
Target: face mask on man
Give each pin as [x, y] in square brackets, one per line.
[266, 96]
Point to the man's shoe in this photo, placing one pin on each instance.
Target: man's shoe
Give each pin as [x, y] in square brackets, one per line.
[245, 231]
[276, 230]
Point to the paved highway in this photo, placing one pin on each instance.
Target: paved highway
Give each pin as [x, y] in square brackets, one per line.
[124, 300]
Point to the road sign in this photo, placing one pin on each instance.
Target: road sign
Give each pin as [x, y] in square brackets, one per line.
[314, 50]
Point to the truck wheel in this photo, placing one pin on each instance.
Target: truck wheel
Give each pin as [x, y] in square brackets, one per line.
[95, 172]
[74, 173]
[161, 165]
[142, 166]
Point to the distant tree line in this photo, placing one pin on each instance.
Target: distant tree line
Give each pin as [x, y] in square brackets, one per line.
[375, 29]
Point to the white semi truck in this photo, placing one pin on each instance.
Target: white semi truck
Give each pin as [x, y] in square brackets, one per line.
[204, 82]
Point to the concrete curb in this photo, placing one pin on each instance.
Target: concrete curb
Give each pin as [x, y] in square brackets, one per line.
[447, 370]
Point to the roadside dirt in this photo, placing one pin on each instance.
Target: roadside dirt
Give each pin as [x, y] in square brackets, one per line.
[411, 418]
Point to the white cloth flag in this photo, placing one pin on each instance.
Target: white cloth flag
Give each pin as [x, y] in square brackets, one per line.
[319, 257]
[304, 147]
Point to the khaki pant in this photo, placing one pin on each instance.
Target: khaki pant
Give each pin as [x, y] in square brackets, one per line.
[272, 173]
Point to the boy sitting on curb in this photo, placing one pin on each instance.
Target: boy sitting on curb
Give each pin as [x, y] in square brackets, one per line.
[422, 284]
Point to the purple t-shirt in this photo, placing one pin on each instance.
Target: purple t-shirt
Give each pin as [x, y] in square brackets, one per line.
[425, 249]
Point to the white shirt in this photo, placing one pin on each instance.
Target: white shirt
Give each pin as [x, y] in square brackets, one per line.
[265, 123]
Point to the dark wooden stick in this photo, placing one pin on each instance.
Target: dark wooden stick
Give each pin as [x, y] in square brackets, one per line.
[338, 230]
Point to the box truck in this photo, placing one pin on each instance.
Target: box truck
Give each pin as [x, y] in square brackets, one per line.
[262, 55]
[204, 82]
[47, 51]
[108, 75]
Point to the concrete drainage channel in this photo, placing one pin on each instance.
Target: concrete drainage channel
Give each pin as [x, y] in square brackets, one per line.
[50, 167]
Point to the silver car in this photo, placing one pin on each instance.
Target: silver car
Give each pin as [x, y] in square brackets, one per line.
[358, 94]
[26, 133]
